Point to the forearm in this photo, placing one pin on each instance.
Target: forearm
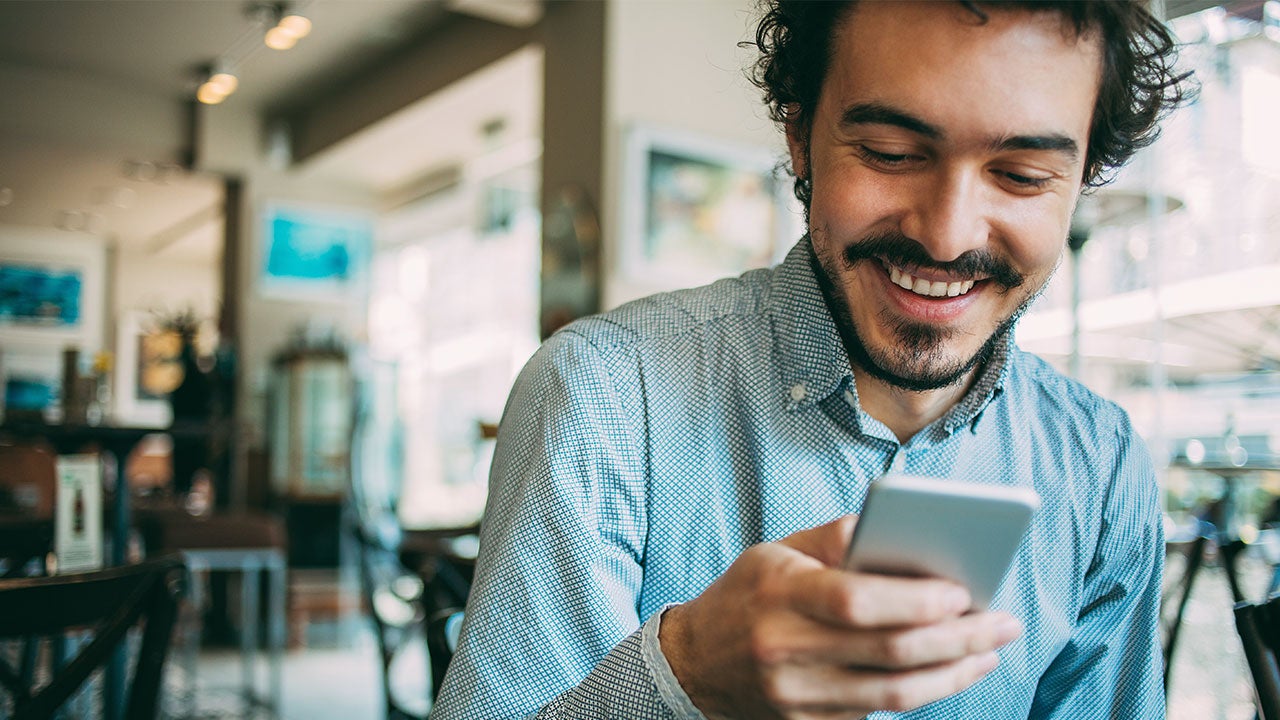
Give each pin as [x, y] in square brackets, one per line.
[632, 681]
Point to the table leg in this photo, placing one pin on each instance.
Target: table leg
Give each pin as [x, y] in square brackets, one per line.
[192, 631]
[276, 630]
[249, 631]
[113, 682]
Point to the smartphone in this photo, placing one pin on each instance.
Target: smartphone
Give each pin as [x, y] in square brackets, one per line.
[927, 527]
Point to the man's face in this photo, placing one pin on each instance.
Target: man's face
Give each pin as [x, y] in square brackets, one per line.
[945, 155]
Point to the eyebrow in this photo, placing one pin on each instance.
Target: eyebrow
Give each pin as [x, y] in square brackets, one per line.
[880, 114]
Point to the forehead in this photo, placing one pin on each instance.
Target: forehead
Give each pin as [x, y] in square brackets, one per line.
[1017, 71]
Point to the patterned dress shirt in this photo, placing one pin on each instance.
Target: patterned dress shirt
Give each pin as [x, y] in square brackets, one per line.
[643, 450]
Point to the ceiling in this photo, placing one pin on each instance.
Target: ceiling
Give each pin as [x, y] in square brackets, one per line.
[151, 205]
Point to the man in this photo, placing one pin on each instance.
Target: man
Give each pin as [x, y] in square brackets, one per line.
[645, 551]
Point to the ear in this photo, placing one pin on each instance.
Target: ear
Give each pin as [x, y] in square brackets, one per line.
[797, 143]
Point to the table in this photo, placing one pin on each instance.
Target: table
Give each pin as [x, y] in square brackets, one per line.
[250, 563]
[120, 440]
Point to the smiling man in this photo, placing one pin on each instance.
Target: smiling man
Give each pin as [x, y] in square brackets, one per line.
[676, 481]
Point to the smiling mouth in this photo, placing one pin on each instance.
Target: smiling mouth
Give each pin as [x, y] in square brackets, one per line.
[928, 288]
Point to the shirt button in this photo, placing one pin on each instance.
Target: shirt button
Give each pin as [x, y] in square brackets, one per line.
[798, 392]
[899, 463]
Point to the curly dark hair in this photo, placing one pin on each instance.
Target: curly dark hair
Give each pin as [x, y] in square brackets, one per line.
[1140, 84]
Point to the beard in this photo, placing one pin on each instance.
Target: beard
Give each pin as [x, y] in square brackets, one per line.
[918, 361]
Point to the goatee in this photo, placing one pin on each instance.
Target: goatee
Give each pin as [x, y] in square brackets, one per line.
[918, 361]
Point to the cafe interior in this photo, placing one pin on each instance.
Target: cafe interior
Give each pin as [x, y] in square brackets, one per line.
[268, 271]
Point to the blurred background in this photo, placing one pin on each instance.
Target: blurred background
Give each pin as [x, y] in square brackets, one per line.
[278, 263]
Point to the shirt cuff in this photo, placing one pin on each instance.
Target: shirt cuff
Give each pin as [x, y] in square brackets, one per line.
[668, 686]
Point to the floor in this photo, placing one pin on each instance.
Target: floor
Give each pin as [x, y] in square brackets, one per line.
[339, 678]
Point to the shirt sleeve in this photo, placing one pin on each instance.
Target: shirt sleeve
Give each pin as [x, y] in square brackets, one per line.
[1112, 665]
[551, 627]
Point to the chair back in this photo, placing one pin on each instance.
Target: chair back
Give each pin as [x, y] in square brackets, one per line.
[28, 481]
[442, 641]
[393, 596]
[1259, 628]
[107, 603]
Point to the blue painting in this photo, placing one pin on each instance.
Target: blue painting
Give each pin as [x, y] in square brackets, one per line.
[28, 393]
[35, 295]
[308, 250]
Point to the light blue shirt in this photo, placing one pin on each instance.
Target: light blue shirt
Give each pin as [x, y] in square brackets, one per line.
[643, 450]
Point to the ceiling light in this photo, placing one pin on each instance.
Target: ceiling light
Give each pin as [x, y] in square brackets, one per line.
[289, 28]
[280, 39]
[296, 25]
[224, 82]
[210, 94]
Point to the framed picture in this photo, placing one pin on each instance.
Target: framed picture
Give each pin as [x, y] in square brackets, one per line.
[52, 290]
[314, 254]
[30, 382]
[695, 209]
[148, 367]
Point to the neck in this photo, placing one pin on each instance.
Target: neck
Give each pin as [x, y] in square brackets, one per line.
[907, 412]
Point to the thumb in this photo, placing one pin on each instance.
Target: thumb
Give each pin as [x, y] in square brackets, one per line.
[825, 543]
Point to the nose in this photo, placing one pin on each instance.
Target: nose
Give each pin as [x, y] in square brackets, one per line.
[947, 215]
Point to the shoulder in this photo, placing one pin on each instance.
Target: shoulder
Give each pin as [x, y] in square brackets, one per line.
[669, 317]
[1058, 398]
[1091, 437]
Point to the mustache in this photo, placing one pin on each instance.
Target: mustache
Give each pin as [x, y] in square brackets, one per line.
[898, 249]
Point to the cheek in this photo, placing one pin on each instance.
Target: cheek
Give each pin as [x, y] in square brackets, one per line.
[1037, 240]
[850, 199]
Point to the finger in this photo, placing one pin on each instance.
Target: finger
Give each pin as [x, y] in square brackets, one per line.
[826, 543]
[831, 689]
[800, 640]
[867, 600]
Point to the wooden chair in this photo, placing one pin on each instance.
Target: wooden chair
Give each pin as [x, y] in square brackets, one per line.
[442, 641]
[1259, 628]
[393, 596]
[107, 603]
[28, 488]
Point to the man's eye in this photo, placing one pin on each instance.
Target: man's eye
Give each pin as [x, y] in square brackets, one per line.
[1026, 181]
[882, 158]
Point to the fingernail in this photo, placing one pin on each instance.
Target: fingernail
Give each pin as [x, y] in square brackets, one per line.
[1008, 628]
[958, 600]
[987, 662]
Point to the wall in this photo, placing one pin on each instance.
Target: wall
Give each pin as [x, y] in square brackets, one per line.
[233, 142]
[676, 65]
[147, 283]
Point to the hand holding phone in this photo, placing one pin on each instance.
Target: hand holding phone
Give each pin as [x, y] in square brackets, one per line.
[964, 532]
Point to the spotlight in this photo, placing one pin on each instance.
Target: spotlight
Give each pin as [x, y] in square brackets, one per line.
[224, 82]
[217, 82]
[280, 39]
[290, 27]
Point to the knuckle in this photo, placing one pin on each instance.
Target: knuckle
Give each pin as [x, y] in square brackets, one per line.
[855, 606]
[897, 650]
[895, 697]
[775, 689]
[766, 646]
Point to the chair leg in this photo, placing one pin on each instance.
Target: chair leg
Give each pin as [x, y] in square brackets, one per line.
[1195, 558]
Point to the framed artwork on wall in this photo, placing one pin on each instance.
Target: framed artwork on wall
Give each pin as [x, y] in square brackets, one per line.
[696, 208]
[148, 367]
[52, 291]
[314, 253]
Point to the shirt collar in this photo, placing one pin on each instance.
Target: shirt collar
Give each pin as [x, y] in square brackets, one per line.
[807, 344]
[812, 358]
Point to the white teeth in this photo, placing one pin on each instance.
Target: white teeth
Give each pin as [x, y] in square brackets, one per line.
[936, 288]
